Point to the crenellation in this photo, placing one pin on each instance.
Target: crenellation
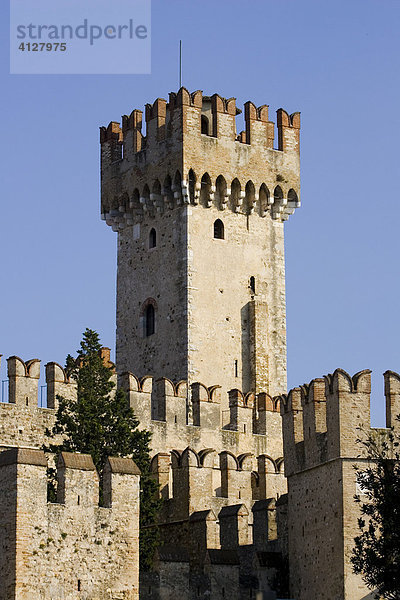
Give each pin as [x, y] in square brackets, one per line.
[58, 384]
[241, 409]
[258, 127]
[204, 533]
[319, 418]
[288, 131]
[193, 480]
[156, 121]
[23, 380]
[267, 419]
[22, 421]
[77, 480]
[347, 408]
[206, 404]
[234, 526]
[292, 427]
[132, 133]
[392, 394]
[111, 139]
[271, 482]
[265, 527]
[161, 469]
[204, 465]
[236, 480]
[314, 421]
[163, 402]
[176, 409]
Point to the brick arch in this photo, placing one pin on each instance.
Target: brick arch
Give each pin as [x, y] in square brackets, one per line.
[145, 304]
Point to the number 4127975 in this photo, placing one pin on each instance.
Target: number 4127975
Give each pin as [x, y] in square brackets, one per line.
[42, 47]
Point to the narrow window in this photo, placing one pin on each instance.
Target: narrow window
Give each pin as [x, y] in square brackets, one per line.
[152, 238]
[204, 125]
[79, 500]
[219, 230]
[79, 585]
[223, 592]
[236, 368]
[244, 427]
[252, 284]
[149, 320]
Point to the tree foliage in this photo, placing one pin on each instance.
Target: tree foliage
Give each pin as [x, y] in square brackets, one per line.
[376, 555]
[101, 423]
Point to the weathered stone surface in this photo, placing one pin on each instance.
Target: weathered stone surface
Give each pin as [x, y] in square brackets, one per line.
[71, 549]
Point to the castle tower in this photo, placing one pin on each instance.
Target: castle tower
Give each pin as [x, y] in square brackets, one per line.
[199, 213]
[322, 423]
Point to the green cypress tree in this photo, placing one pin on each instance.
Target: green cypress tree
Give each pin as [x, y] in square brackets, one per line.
[101, 423]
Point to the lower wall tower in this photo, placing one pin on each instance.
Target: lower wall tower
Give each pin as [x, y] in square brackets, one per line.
[322, 422]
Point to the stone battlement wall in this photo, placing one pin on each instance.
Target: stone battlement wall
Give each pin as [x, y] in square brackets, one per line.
[206, 463]
[323, 420]
[193, 481]
[252, 421]
[204, 458]
[54, 551]
[164, 407]
[217, 111]
[22, 421]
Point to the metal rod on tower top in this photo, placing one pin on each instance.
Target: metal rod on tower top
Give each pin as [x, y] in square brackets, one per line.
[180, 64]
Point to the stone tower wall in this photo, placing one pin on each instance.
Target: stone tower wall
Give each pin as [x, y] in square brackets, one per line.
[322, 422]
[158, 276]
[232, 331]
[72, 548]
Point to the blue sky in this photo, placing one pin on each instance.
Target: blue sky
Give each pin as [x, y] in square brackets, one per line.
[335, 61]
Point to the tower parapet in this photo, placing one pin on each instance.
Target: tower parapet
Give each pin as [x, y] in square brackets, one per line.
[192, 154]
